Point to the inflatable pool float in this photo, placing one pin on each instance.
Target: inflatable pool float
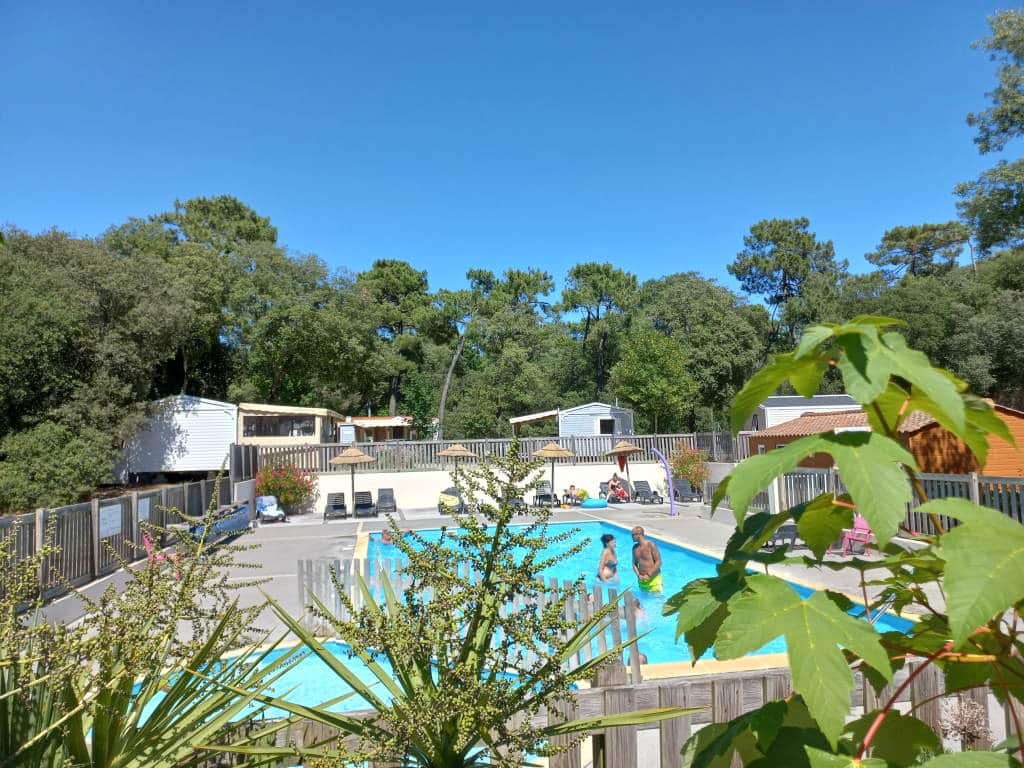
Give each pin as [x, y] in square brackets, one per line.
[593, 503]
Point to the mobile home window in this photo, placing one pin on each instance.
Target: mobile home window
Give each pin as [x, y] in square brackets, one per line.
[607, 426]
[278, 426]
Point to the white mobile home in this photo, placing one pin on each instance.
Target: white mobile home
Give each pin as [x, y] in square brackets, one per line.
[184, 434]
[584, 420]
[779, 409]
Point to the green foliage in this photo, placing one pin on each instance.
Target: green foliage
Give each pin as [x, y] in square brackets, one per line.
[978, 567]
[922, 249]
[292, 486]
[654, 376]
[779, 257]
[139, 681]
[470, 660]
[50, 464]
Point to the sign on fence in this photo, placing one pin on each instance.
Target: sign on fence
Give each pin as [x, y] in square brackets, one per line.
[110, 519]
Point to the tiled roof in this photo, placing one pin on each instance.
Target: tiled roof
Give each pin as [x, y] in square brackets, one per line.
[831, 421]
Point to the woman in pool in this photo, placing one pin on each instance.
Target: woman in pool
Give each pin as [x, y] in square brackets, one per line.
[608, 568]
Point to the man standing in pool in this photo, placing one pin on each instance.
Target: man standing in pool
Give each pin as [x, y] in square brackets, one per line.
[646, 561]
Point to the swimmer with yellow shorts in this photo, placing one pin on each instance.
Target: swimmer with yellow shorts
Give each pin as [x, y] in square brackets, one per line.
[646, 562]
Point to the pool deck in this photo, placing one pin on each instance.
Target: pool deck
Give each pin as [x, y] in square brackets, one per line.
[282, 545]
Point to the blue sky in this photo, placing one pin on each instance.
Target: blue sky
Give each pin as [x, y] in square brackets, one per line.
[458, 135]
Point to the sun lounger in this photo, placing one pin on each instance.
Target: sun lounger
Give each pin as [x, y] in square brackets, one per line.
[684, 491]
[784, 533]
[364, 506]
[642, 492]
[335, 506]
[451, 502]
[386, 501]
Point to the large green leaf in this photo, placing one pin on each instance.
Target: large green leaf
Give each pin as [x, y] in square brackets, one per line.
[984, 564]
[813, 338]
[865, 372]
[871, 468]
[764, 383]
[901, 740]
[815, 629]
[914, 366]
[762, 724]
[821, 521]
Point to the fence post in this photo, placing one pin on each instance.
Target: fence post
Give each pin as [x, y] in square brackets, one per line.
[184, 499]
[94, 521]
[40, 541]
[202, 496]
[974, 489]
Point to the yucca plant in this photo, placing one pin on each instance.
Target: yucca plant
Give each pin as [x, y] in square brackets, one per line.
[158, 719]
[467, 658]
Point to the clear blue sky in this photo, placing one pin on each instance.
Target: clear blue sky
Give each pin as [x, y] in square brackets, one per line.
[651, 135]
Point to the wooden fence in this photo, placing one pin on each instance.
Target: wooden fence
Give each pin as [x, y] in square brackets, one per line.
[315, 579]
[402, 456]
[722, 697]
[94, 537]
[1005, 494]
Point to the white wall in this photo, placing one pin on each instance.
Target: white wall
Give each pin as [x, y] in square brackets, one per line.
[419, 490]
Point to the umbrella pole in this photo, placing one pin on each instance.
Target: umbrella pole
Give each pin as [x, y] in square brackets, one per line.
[629, 481]
[554, 495]
[352, 501]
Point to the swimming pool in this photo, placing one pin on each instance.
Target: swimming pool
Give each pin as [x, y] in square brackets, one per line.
[679, 566]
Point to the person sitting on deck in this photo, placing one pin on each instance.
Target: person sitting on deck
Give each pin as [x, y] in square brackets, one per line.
[616, 489]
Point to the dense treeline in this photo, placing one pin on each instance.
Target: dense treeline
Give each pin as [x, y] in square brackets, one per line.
[202, 299]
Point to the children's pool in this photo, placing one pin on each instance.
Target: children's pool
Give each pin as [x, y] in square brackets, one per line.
[679, 566]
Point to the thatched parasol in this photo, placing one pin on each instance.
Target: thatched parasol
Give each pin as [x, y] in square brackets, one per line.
[351, 457]
[457, 451]
[622, 451]
[553, 451]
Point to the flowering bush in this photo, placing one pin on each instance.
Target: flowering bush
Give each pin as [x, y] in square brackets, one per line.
[690, 464]
[289, 484]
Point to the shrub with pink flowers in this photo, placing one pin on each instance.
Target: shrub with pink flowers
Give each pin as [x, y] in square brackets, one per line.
[291, 485]
[690, 464]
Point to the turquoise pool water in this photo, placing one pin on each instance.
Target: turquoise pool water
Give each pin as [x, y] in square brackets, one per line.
[679, 566]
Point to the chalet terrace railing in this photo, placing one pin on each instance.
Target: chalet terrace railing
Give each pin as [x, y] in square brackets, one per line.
[1005, 494]
[418, 455]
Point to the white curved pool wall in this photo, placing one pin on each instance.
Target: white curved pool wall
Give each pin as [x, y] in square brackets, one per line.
[420, 489]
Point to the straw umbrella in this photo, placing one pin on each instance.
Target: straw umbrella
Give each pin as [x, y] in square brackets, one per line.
[622, 451]
[351, 457]
[456, 452]
[553, 451]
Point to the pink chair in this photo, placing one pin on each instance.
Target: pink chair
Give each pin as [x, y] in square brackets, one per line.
[860, 533]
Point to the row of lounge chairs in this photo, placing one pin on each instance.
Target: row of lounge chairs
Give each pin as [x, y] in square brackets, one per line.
[363, 504]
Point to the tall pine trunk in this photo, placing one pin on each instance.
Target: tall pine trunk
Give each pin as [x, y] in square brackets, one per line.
[447, 384]
[393, 397]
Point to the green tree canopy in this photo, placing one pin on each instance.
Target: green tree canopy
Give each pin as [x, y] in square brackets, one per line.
[654, 376]
[778, 258]
[920, 249]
